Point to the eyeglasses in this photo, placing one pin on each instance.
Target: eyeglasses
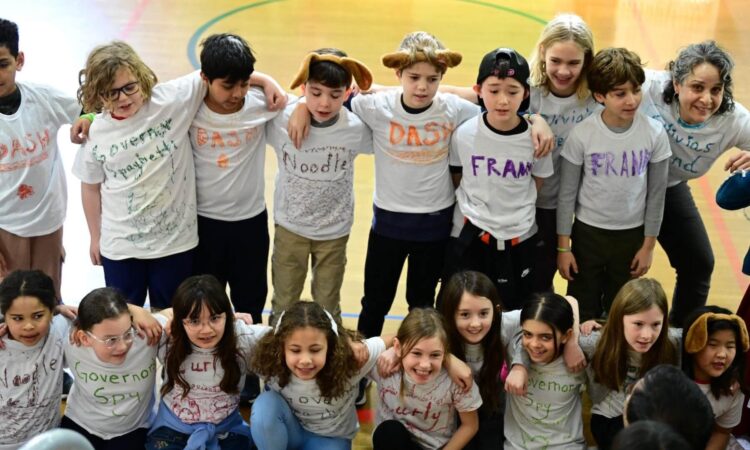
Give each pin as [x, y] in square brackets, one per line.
[215, 321]
[114, 340]
[129, 89]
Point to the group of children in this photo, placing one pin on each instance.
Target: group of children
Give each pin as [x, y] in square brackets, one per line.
[469, 194]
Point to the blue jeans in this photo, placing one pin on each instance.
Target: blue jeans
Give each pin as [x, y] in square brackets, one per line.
[274, 427]
[165, 438]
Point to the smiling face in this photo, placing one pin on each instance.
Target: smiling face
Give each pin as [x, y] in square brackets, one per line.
[106, 329]
[322, 101]
[502, 97]
[541, 341]
[473, 317]
[305, 352]
[620, 104]
[206, 330]
[423, 361]
[28, 320]
[420, 82]
[716, 357]
[642, 329]
[225, 97]
[563, 62]
[700, 94]
[123, 106]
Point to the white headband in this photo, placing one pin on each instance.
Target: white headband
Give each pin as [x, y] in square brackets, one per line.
[334, 327]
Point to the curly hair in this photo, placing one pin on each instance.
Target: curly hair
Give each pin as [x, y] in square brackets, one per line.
[334, 378]
[101, 69]
[192, 296]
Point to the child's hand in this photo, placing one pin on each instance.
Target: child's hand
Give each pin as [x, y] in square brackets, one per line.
[589, 326]
[3, 266]
[245, 317]
[515, 383]
[146, 324]
[388, 363]
[71, 312]
[94, 253]
[740, 161]
[566, 264]
[460, 373]
[573, 356]
[641, 262]
[3, 332]
[361, 352]
[541, 136]
[299, 124]
[79, 131]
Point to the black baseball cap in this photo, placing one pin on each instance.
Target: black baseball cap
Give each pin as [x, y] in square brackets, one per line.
[506, 63]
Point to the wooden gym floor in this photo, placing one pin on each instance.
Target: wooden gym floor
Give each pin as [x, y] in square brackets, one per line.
[56, 37]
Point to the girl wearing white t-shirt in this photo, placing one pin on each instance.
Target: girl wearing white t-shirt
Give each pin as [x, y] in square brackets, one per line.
[206, 361]
[634, 339]
[417, 406]
[111, 402]
[713, 355]
[313, 377]
[549, 415]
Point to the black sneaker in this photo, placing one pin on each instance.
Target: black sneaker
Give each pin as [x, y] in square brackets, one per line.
[361, 400]
[251, 390]
[67, 384]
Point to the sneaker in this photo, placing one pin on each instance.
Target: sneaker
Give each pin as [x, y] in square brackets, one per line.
[251, 390]
[67, 384]
[361, 400]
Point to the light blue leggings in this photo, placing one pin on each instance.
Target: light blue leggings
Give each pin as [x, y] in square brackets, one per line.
[274, 427]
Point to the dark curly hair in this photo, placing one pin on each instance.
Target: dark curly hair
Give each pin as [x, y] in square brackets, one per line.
[333, 379]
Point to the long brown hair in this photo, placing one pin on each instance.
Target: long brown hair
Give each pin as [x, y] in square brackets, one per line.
[194, 294]
[269, 359]
[421, 323]
[611, 355]
[493, 351]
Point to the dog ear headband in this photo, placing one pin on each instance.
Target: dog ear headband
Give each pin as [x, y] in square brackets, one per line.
[697, 335]
[402, 58]
[359, 71]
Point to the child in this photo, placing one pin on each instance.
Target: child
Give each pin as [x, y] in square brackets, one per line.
[549, 416]
[614, 174]
[649, 435]
[111, 402]
[559, 92]
[634, 339]
[34, 199]
[417, 405]
[208, 355]
[312, 378]
[228, 139]
[693, 100]
[313, 198]
[493, 159]
[714, 357]
[138, 180]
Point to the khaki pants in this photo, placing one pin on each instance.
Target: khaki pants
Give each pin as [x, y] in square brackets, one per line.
[43, 253]
[289, 262]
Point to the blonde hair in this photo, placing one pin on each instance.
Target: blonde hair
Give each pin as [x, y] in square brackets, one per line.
[101, 69]
[563, 28]
[611, 354]
[421, 323]
[421, 46]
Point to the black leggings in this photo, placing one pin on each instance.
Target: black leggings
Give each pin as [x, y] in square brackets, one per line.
[604, 430]
[392, 435]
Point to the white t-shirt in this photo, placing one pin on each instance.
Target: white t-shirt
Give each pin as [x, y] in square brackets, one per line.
[206, 402]
[429, 410]
[497, 191]
[33, 191]
[109, 400]
[336, 417]
[549, 415]
[561, 114]
[31, 386]
[694, 150]
[411, 150]
[612, 193]
[313, 195]
[145, 166]
[230, 156]
[727, 408]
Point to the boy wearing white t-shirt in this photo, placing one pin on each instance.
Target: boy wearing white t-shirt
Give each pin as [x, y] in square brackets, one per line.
[614, 176]
[228, 138]
[492, 162]
[33, 196]
[314, 197]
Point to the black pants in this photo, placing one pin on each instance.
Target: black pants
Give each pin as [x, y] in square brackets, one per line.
[545, 265]
[392, 435]
[134, 439]
[490, 434]
[383, 264]
[236, 253]
[683, 237]
[604, 430]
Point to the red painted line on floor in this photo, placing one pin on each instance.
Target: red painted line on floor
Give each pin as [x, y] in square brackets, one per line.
[134, 18]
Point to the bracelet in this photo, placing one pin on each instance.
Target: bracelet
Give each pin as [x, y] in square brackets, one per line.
[563, 249]
[89, 117]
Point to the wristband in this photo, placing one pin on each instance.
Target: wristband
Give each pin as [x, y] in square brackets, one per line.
[563, 249]
[89, 117]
